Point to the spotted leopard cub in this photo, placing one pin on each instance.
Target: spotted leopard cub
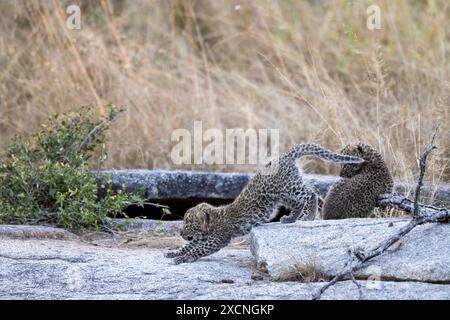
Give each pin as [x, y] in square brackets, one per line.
[279, 183]
[357, 193]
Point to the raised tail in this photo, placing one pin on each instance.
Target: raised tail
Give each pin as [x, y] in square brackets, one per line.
[301, 150]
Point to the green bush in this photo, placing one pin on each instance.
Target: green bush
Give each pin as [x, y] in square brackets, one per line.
[49, 178]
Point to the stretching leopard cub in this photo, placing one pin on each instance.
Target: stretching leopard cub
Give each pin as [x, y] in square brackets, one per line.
[279, 183]
[357, 193]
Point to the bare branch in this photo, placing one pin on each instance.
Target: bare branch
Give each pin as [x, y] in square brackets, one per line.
[333, 281]
[405, 204]
[352, 277]
[422, 166]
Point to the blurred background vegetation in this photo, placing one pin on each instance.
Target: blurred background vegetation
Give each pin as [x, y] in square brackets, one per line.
[310, 68]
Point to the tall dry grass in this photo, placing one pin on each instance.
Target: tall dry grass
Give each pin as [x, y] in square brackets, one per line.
[310, 68]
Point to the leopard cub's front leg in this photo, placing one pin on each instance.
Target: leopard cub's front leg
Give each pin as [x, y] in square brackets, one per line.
[200, 248]
[172, 254]
[182, 251]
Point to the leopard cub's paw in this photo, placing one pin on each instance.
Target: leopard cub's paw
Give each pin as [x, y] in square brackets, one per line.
[183, 259]
[170, 254]
[287, 219]
[178, 260]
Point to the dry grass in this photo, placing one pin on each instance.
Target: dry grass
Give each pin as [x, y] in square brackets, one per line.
[302, 272]
[389, 213]
[311, 69]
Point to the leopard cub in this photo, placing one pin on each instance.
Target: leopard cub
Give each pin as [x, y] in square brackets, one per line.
[279, 183]
[357, 193]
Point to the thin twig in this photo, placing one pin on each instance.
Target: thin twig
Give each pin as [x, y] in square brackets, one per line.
[101, 125]
[352, 277]
[423, 159]
[155, 204]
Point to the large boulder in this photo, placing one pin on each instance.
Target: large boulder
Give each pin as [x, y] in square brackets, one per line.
[422, 255]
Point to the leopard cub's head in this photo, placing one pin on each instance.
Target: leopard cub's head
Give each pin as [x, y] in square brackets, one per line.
[198, 221]
[373, 160]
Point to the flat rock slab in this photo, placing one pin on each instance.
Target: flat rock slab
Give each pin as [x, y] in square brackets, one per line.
[422, 255]
[34, 232]
[70, 269]
[157, 226]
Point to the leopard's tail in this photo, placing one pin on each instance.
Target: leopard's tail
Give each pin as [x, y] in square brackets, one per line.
[301, 150]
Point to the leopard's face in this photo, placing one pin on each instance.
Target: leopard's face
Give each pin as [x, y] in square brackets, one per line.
[350, 170]
[371, 157]
[197, 222]
[192, 226]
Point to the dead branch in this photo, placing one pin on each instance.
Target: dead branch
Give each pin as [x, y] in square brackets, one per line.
[422, 166]
[405, 204]
[421, 214]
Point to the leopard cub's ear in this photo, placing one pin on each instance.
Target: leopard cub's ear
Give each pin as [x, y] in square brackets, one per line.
[207, 215]
[360, 148]
[205, 219]
[204, 206]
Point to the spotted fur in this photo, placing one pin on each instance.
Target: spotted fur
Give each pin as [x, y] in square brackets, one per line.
[279, 183]
[357, 193]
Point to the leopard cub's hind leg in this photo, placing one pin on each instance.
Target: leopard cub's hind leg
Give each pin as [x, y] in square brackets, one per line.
[312, 205]
[297, 206]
